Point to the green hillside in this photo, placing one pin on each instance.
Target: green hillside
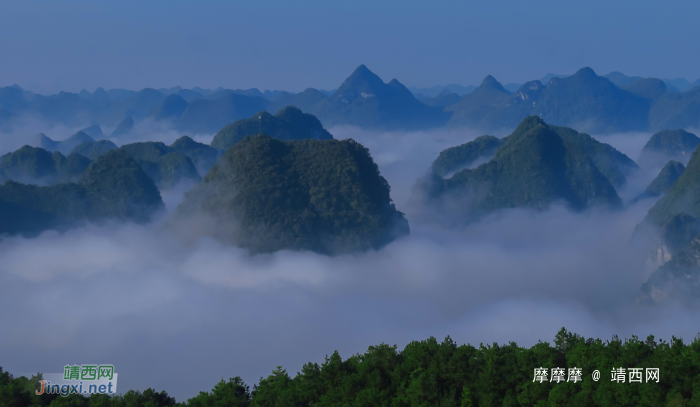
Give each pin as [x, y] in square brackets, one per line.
[33, 165]
[682, 197]
[667, 177]
[460, 157]
[203, 156]
[327, 196]
[114, 186]
[93, 150]
[535, 166]
[165, 166]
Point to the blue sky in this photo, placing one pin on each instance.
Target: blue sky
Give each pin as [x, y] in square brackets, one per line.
[47, 46]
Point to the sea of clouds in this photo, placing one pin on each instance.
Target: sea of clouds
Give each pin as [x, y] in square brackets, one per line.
[178, 314]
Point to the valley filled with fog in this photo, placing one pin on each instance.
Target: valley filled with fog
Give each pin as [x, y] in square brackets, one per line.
[180, 311]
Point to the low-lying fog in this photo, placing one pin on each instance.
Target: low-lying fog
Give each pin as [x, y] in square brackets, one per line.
[178, 315]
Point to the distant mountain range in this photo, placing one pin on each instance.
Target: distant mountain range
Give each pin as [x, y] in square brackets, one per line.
[602, 104]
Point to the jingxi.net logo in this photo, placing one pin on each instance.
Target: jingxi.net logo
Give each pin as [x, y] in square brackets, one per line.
[80, 379]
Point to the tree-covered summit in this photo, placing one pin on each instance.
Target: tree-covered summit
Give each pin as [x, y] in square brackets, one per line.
[266, 195]
[165, 166]
[203, 156]
[33, 165]
[533, 167]
[288, 124]
[112, 187]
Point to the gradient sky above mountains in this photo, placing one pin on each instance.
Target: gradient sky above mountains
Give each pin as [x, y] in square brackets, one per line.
[48, 46]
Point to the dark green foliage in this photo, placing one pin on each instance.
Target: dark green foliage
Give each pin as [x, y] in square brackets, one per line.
[71, 168]
[682, 197]
[614, 165]
[119, 188]
[288, 124]
[583, 100]
[37, 166]
[320, 195]
[667, 177]
[462, 156]
[233, 393]
[431, 373]
[165, 166]
[203, 156]
[535, 166]
[364, 100]
[124, 127]
[668, 145]
[93, 150]
[28, 163]
[114, 186]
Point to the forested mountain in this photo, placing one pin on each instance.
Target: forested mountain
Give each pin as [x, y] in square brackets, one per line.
[674, 219]
[321, 195]
[114, 186]
[94, 149]
[203, 156]
[682, 198]
[667, 177]
[32, 165]
[164, 165]
[533, 167]
[432, 373]
[463, 156]
[288, 124]
[677, 145]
